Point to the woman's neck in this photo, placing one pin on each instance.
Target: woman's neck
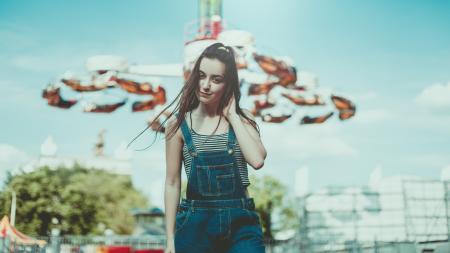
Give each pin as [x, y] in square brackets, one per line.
[208, 111]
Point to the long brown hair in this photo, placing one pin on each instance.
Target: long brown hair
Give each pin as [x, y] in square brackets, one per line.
[189, 100]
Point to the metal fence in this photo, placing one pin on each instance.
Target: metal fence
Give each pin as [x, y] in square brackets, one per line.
[83, 244]
[93, 244]
[403, 215]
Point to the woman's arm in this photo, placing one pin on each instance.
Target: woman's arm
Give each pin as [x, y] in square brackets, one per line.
[172, 186]
[249, 140]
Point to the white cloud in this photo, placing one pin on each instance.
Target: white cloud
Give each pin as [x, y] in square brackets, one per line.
[436, 96]
[19, 94]
[291, 146]
[445, 173]
[427, 160]
[15, 36]
[301, 142]
[10, 158]
[149, 171]
[9, 153]
[32, 63]
[156, 192]
[56, 60]
[372, 116]
[362, 97]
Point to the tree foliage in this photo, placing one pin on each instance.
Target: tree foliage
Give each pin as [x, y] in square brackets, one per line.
[271, 197]
[76, 200]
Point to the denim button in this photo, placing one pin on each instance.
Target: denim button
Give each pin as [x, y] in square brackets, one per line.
[230, 151]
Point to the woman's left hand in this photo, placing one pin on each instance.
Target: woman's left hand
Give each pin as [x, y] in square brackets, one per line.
[230, 109]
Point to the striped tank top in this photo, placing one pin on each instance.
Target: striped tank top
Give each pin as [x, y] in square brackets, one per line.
[215, 142]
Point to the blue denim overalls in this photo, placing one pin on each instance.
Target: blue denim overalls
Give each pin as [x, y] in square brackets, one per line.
[216, 216]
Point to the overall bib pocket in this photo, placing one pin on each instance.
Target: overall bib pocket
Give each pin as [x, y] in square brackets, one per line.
[216, 180]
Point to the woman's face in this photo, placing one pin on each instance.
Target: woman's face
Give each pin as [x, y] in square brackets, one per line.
[211, 81]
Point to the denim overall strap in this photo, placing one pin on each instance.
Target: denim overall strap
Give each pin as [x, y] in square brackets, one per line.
[240, 189]
[188, 138]
[231, 140]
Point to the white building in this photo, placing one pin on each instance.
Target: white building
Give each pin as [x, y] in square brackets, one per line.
[389, 209]
[119, 164]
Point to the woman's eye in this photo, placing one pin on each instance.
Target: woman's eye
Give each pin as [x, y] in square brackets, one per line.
[217, 80]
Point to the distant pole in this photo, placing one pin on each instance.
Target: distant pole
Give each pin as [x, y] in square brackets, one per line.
[447, 206]
[13, 208]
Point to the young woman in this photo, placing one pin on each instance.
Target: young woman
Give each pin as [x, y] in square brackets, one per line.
[215, 139]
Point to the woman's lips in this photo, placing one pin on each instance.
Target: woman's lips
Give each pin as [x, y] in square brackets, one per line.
[204, 94]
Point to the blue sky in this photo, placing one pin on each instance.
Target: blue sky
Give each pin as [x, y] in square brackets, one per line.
[391, 57]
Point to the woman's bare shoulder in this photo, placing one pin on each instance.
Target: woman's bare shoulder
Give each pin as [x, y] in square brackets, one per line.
[172, 124]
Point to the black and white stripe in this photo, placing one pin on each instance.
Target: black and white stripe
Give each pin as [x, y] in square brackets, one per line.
[213, 143]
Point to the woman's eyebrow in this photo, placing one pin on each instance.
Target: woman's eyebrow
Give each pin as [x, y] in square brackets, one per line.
[214, 75]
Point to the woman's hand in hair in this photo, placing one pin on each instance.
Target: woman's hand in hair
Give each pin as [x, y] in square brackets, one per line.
[230, 109]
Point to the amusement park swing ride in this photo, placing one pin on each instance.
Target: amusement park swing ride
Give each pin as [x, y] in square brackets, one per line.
[272, 88]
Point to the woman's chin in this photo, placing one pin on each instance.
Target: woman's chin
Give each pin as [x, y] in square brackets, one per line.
[204, 100]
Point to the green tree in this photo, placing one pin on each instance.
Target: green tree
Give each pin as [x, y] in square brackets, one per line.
[83, 201]
[271, 198]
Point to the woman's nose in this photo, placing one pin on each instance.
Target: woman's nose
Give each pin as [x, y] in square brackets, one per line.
[205, 84]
